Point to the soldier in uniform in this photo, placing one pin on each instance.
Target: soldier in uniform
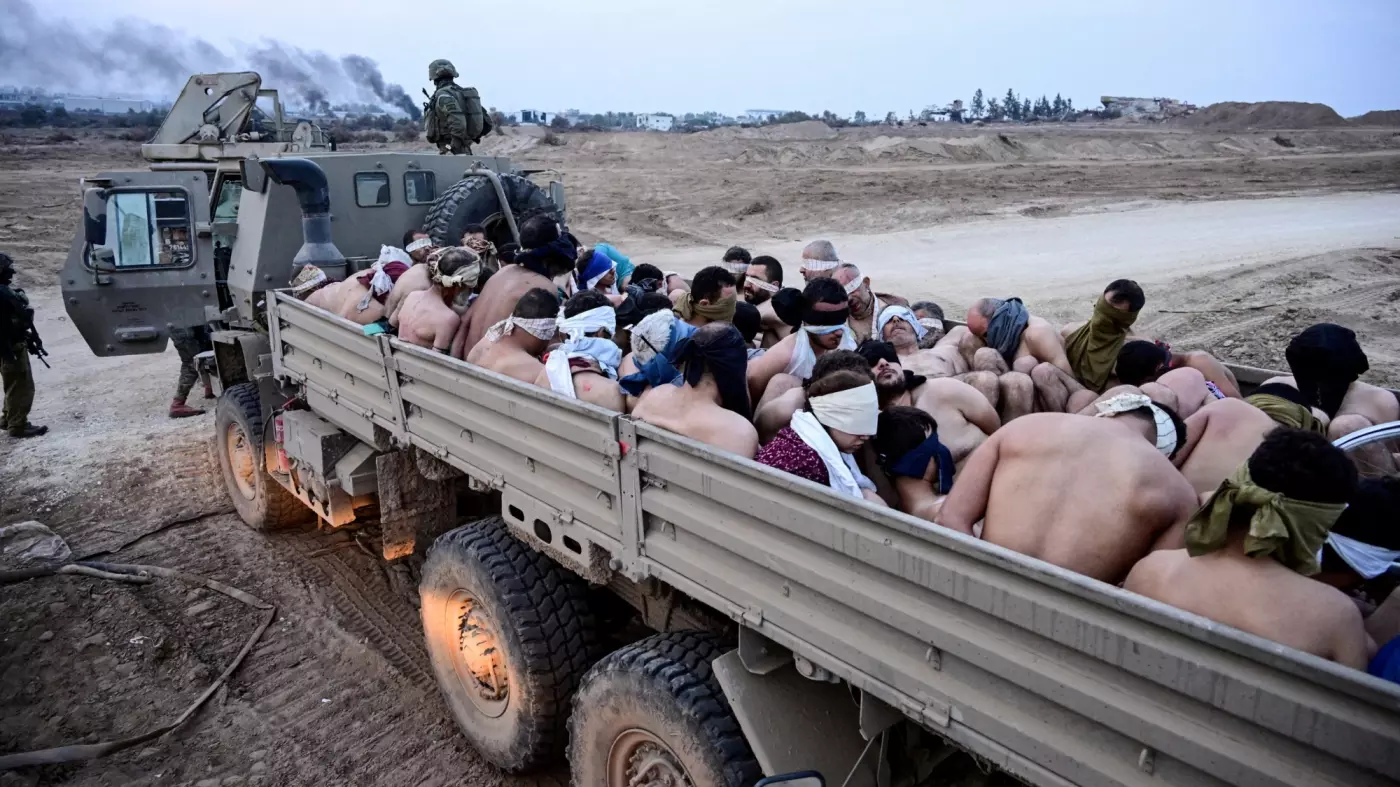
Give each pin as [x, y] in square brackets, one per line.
[453, 117]
[189, 342]
[16, 323]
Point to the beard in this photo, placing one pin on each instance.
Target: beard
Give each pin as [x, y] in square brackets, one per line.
[889, 387]
[757, 297]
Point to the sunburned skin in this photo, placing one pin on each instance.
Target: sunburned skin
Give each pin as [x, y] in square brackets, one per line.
[1092, 495]
[762, 370]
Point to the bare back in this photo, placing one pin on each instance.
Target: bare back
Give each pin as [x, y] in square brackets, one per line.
[1086, 494]
[965, 417]
[415, 279]
[674, 407]
[1219, 438]
[1257, 595]
[350, 294]
[592, 387]
[426, 321]
[496, 302]
[504, 357]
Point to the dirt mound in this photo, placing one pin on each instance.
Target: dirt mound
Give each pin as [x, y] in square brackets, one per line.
[1378, 117]
[1265, 114]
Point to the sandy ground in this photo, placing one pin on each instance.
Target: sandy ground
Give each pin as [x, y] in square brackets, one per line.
[1240, 239]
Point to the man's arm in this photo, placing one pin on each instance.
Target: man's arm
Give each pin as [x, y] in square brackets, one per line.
[459, 338]
[1047, 346]
[967, 503]
[446, 332]
[1351, 646]
[1214, 371]
[979, 412]
[764, 368]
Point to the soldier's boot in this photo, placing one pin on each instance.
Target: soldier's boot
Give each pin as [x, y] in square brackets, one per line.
[29, 430]
[178, 409]
[208, 389]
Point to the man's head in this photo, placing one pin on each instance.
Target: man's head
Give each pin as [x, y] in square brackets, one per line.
[900, 327]
[474, 232]
[857, 286]
[903, 429]
[711, 285]
[819, 259]
[595, 270]
[717, 352]
[454, 269]
[537, 304]
[838, 361]
[417, 243]
[1303, 465]
[884, 364]
[1326, 359]
[1365, 540]
[827, 309]
[653, 302]
[763, 278]
[7, 268]
[544, 242]
[835, 383]
[981, 313]
[648, 272]
[1125, 295]
[930, 315]
[1141, 361]
[587, 300]
[748, 321]
[737, 260]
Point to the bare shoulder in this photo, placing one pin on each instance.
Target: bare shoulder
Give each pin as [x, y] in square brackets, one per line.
[1154, 571]
[734, 433]
[1040, 330]
[628, 366]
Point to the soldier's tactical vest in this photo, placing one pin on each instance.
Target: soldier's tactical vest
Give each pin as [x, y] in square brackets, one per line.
[469, 100]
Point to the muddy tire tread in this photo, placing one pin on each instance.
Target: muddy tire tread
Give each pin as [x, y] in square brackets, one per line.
[280, 508]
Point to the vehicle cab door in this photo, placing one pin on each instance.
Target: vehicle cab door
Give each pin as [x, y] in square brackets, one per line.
[142, 265]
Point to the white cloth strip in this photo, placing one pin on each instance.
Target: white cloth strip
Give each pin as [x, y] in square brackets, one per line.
[819, 265]
[1368, 560]
[541, 328]
[855, 283]
[421, 243]
[854, 411]
[896, 312]
[838, 471]
[760, 284]
[601, 318]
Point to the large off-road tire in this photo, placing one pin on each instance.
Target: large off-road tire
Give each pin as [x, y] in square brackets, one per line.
[472, 200]
[260, 501]
[654, 711]
[510, 635]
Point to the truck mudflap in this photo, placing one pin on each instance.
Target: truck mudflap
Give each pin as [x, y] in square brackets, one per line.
[1051, 676]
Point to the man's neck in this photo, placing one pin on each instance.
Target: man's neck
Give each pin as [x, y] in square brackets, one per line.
[901, 399]
[707, 390]
[522, 341]
[864, 312]
[905, 348]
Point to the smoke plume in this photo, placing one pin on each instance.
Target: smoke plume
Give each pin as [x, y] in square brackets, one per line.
[143, 58]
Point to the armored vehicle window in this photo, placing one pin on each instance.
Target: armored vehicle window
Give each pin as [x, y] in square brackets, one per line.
[148, 228]
[371, 189]
[420, 188]
[227, 207]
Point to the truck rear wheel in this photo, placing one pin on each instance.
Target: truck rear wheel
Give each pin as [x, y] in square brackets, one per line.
[510, 635]
[653, 713]
[260, 501]
[472, 200]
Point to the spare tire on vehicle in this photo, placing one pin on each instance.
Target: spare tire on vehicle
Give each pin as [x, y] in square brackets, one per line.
[472, 200]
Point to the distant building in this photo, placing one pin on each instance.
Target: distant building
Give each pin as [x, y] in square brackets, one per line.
[763, 115]
[1145, 108]
[106, 106]
[656, 122]
[536, 117]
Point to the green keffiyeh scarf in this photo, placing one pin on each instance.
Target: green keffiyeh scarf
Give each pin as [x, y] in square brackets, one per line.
[1093, 349]
[1291, 531]
[1286, 413]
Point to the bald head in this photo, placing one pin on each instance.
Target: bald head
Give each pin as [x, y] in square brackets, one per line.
[819, 259]
[981, 314]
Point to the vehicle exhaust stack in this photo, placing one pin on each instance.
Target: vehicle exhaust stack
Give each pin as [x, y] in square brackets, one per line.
[309, 181]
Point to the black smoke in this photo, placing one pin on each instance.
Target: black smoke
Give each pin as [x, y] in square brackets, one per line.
[136, 57]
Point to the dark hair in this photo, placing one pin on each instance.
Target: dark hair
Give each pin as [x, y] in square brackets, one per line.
[839, 380]
[788, 304]
[709, 283]
[747, 320]
[825, 290]
[537, 304]
[584, 300]
[933, 309]
[454, 258]
[771, 267]
[538, 231]
[585, 257]
[647, 271]
[6, 261]
[1140, 362]
[1370, 514]
[653, 302]
[738, 254]
[1130, 291]
[408, 236]
[1303, 465]
[473, 229]
[875, 350]
[902, 429]
[839, 361]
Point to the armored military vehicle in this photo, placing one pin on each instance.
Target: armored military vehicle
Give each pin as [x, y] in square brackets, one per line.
[795, 629]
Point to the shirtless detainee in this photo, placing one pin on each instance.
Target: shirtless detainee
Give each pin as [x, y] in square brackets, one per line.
[1092, 495]
[711, 297]
[425, 317]
[789, 362]
[547, 252]
[1248, 565]
[1326, 361]
[1219, 437]
[912, 454]
[513, 346]
[822, 442]
[776, 413]
[585, 366]
[1141, 362]
[656, 341]
[712, 406]
[762, 281]
[1011, 394]
[866, 304]
[364, 295]
[930, 315]
[964, 416]
[418, 245]
[819, 260]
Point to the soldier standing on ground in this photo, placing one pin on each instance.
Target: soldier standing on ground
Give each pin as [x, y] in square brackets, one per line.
[189, 342]
[16, 325]
[453, 117]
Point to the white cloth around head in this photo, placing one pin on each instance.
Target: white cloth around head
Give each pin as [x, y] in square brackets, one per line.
[421, 243]
[542, 328]
[853, 411]
[841, 471]
[819, 265]
[601, 318]
[804, 358]
[896, 312]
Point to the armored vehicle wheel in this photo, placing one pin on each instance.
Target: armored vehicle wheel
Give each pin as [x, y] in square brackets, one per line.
[510, 635]
[472, 200]
[653, 713]
[260, 501]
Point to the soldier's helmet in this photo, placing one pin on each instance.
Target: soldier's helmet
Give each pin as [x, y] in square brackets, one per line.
[440, 68]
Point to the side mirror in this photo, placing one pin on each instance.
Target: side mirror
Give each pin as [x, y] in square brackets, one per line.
[95, 217]
[253, 175]
[799, 779]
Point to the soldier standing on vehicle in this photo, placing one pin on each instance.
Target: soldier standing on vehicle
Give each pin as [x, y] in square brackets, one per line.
[453, 118]
[17, 340]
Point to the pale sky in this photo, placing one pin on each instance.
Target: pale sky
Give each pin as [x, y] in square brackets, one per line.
[875, 55]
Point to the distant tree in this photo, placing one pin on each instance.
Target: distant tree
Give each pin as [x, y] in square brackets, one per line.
[860, 117]
[60, 117]
[1058, 107]
[1069, 106]
[994, 109]
[890, 119]
[1025, 110]
[559, 122]
[1012, 104]
[979, 104]
[792, 117]
[33, 115]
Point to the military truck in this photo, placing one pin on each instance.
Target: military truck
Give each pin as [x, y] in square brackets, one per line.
[794, 629]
